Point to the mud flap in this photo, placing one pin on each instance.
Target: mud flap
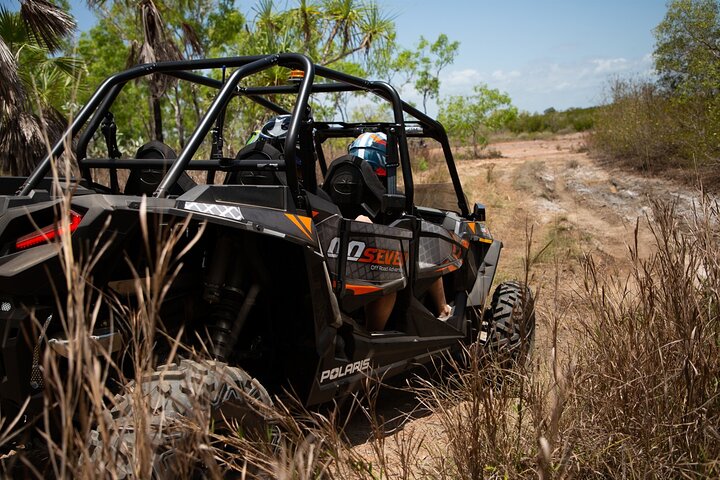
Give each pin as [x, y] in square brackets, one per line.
[486, 273]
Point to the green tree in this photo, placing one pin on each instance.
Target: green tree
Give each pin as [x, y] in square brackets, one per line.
[151, 38]
[687, 59]
[432, 58]
[342, 33]
[36, 84]
[469, 118]
[687, 53]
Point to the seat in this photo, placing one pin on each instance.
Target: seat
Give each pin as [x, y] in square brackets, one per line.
[257, 151]
[144, 181]
[354, 187]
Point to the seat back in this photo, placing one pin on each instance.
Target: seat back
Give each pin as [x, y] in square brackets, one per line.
[354, 187]
[259, 150]
[146, 180]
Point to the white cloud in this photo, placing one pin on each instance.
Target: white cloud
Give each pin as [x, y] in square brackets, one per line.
[503, 76]
[542, 84]
[610, 65]
[461, 78]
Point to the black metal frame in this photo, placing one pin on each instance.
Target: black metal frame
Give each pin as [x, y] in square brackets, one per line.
[91, 116]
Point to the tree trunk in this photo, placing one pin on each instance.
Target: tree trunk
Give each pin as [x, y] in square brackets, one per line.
[179, 117]
[157, 119]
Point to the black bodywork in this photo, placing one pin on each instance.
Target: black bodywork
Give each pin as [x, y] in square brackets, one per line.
[271, 229]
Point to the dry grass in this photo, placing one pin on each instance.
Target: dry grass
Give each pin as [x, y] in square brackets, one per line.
[635, 395]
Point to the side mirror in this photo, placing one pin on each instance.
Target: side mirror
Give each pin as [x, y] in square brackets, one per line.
[478, 213]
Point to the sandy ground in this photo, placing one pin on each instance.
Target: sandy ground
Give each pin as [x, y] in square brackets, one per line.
[575, 207]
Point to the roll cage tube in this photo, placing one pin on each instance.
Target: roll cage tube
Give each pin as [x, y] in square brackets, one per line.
[104, 96]
[440, 135]
[102, 92]
[434, 129]
[386, 91]
[298, 112]
[219, 104]
[97, 118]
[43, 167]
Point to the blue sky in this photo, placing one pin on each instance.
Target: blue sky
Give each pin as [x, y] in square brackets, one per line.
[544, 53]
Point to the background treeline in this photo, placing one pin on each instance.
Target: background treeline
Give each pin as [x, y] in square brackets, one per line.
[48, 73]
[551, 120]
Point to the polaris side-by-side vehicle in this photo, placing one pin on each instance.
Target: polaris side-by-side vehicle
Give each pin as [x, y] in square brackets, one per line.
[276, 272]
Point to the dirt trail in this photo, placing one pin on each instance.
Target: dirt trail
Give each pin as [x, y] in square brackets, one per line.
[555, 184]
[575, 206]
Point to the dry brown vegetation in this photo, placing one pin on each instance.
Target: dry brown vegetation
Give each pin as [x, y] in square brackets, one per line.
[623, 380]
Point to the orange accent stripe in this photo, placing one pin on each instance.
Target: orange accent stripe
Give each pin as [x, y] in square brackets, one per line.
[485, 240]
[305, 226]
[472, 226]
[307, 221]
[361, 289]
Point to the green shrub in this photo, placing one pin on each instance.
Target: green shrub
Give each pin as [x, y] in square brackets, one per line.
[651, 129]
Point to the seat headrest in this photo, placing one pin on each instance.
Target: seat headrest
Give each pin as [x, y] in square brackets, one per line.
[155, 149]
[146, 180]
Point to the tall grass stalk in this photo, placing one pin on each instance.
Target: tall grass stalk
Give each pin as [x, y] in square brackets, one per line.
[647, 397]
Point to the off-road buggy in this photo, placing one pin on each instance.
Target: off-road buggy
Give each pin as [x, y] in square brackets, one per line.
[275, 271]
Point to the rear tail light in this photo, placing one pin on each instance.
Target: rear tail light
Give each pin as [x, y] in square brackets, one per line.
[48, 233]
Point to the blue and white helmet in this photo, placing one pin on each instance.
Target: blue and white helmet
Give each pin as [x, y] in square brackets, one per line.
[371, 147]
[276, 129]
[273, 132]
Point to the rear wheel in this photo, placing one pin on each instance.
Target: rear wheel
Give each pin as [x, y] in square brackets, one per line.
[166, 435]
[508, 326]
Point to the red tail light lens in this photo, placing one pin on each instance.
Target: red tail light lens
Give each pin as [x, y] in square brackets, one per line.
[47, 234]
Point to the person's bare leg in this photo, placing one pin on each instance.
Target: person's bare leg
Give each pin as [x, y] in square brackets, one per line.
[378, 312]
[437, 293]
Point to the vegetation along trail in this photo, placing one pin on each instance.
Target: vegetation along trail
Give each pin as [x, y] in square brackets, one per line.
[574, 207]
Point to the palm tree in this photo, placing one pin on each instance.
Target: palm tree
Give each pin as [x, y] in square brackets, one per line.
[356, 28]
[31, 82]
[157, 46]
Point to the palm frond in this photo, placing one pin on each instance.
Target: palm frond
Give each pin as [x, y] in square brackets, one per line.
[23, 142]
[11, 90]
[48, 23]
[157, 46]
[133, 54]
[192, 39]
[12, 28]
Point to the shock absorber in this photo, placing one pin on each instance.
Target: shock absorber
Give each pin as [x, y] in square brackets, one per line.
[226, 292]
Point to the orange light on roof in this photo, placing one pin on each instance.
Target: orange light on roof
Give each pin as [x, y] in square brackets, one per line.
[296, 75]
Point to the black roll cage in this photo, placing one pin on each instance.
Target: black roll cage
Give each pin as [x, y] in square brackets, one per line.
[93, 113]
